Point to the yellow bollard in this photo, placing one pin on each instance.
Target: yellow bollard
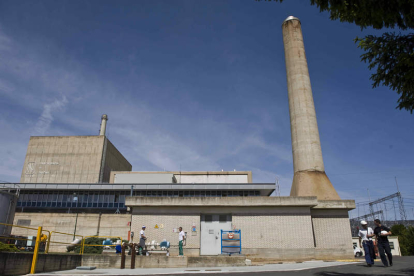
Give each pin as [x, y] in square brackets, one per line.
[48, 242]
[83, 246]
[36, 250]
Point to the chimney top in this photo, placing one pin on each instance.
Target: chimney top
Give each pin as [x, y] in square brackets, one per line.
[290, 18]
[103, 124]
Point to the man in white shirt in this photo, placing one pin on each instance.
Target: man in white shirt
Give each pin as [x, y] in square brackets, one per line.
[365, 235]
[142, 239]
[181, 238]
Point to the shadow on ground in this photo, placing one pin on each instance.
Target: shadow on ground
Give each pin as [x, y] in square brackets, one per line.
[364, 270]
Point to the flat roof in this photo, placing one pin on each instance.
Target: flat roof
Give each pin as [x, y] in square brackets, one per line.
[265, 188]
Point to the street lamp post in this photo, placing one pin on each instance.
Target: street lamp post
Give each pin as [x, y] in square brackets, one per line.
[75, 199]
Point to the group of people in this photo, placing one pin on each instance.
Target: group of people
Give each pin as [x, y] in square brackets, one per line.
[181, 239]
[381, 234]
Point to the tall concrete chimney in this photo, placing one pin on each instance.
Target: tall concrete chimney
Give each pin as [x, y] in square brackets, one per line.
[103, 124]
[309, 177]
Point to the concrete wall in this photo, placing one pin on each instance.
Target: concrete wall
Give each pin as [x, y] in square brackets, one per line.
[8, 203]
[278, 230]
[283, 231]
[166, 224]
[70, 159]
[12, 263]
[144, 178]
[161, 261]
[63, 159]
[114, 161]
[87, 225]
[199, 177]
[282, 228]
[332, 233]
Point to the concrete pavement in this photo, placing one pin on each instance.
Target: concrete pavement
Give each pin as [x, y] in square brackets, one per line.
[211, 270]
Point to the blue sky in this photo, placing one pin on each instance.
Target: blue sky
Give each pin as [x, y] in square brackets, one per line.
[197, 84]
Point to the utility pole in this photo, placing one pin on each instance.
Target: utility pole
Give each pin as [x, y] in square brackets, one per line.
[395, 213]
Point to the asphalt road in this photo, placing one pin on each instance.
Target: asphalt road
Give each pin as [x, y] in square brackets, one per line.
[402, 266]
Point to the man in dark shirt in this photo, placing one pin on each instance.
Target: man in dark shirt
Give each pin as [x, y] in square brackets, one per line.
[381, 232]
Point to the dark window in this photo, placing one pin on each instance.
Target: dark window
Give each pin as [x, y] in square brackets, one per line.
[122, 198]
[222, 218]
[208, 218]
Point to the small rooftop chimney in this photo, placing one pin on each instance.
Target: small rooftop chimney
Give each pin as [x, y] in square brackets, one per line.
[103, 124]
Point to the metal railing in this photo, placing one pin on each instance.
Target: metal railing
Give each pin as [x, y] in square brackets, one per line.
[68, 243]
[48, 240]
[19, 226]
[38, 241]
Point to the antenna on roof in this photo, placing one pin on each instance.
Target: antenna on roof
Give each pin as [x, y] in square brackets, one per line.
[277, 189]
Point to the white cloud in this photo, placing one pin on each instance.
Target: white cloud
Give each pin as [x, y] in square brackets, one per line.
[46, 118]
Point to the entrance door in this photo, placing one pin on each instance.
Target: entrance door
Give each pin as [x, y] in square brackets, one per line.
[210, 233]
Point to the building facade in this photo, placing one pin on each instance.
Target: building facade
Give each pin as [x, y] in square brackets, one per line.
[71, 159]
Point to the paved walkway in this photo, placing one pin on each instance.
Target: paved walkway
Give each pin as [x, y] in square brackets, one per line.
[213, 270]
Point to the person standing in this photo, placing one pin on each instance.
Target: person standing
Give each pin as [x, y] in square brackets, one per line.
[365, 235]
[382, 232]
[142, 239]
[181, 239]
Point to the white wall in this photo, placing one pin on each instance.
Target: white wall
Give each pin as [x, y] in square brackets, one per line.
[211, 178]
[392, 239]
[143, 178]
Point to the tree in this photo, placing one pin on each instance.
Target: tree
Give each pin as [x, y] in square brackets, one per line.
[400, 231]
[392, 55]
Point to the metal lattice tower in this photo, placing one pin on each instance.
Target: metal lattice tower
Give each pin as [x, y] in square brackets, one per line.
[391, 197]
[277, 189]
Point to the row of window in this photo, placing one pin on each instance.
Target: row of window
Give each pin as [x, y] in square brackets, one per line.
[109, 199]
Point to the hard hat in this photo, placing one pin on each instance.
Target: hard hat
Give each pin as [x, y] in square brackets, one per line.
[364, 222]
[143, 226]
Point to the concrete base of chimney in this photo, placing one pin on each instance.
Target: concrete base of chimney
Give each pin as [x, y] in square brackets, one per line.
[313, 183]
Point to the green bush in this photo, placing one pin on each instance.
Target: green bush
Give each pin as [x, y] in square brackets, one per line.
[405, 238]
[8, 247]
[93, 249]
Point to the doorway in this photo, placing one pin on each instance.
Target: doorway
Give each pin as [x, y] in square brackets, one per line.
[210, 243]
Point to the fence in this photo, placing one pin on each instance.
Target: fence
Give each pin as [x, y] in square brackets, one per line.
[41, 242]
[231, 242]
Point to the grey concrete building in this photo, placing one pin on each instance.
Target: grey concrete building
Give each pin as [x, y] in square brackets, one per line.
[72, 159]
